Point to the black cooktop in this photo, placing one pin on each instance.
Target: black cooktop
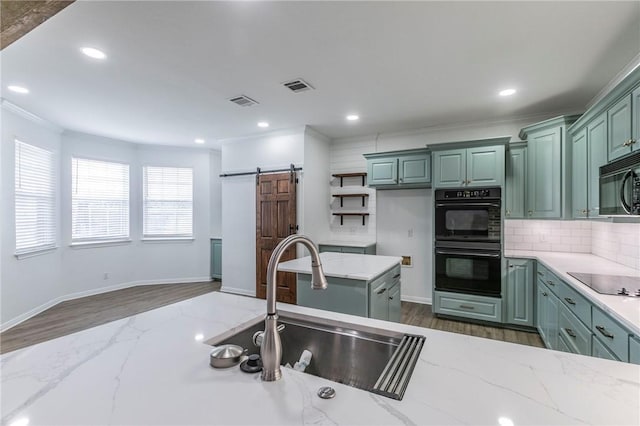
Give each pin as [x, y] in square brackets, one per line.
[610, 284]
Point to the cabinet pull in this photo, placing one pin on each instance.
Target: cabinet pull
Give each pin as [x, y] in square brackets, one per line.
[544, 293]
[569, 301]
[550, 282]
[540, 273]
[466, 307]
[570, 332]
[530, 212]
[604, 331]
[391, 298]
[381, 291]
[396, 276]
[632, 141]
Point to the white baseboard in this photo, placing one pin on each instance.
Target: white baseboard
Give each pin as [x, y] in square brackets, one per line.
[236, 290]
[35, 311]
[416, 299]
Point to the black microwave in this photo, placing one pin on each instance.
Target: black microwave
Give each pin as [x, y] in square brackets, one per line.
[620, 186]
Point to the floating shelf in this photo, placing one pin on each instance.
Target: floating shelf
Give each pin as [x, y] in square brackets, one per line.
[343, 196]
[342, 215]
[349, 175]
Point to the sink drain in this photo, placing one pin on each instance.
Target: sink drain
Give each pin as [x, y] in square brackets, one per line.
[326, 392]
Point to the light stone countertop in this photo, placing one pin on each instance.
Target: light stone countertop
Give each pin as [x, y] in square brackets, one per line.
[150, 369]
[625, 309]
[344, 265]
[359, 244]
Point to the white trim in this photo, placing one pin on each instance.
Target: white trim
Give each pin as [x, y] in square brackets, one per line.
[236, 290]
[104, 243]
[30, 116]
[167, 240]
[635, 63]
[35, 311]
[36, 252]
[417, 299]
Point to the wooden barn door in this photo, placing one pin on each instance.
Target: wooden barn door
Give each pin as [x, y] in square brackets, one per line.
[275, 220]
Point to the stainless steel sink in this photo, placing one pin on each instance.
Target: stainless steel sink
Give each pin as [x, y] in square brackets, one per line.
[372, 359]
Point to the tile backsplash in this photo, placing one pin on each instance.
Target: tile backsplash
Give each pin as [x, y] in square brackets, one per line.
[619, 242]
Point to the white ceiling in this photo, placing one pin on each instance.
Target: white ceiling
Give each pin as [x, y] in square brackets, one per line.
[172, 66]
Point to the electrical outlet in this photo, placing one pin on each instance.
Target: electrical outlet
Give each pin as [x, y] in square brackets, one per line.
[105, 276]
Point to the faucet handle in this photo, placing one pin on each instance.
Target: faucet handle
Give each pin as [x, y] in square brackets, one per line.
[258, 335]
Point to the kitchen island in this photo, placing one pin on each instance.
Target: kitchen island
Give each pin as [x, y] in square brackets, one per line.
[359, 284]
[152, 369]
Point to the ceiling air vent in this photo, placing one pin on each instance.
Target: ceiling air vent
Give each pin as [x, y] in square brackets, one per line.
[298, 85]
[243, 101]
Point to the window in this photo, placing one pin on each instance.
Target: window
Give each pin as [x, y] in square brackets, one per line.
[167, 202]
[99, 201]
[35, 199]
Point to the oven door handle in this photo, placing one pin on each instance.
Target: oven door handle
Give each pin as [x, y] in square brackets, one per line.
[467, 205]
[467, 253]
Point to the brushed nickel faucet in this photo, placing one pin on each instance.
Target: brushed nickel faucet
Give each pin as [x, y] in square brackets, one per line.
[271, 347]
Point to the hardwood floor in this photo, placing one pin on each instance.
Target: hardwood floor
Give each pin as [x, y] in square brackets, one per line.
[421, 315]
[80, 314]
[86, 312]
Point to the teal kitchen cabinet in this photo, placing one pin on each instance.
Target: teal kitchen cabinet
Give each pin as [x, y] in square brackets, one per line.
[573, 332]
[357, 248]
[600, 351]
[469, 167]
[634, 350]
[619, 125]
[635, 119]
[515, 181]
[520, 292]
[548, 168]
[399, 169]
[579, 175]
[611, 334]
[356, 297]
[468, 306]
[597, 156]
[216, 258]
[547, 315]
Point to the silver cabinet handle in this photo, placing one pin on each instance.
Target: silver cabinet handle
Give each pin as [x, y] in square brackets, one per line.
[570, 332]
[396, 276]
[551, 283]
[381, 291]
[466, 307]
[530, 212]
[569, 301]
[544, 293]
[540, 273]
[604, 331]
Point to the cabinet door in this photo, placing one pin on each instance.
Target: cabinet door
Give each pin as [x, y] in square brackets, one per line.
[634, 350]
[449, 168]
[520, 292]
[541, 311]
[619, 126]
[597, 142]
[515, 182]
[600, 351]
[216, 259]
[395, 305]
[378, 301]
[635, 119]
[382, 171]
[326, 248]
[547, 316]
[485, 166]
[414, 169]
[579, 175]
[544, 192]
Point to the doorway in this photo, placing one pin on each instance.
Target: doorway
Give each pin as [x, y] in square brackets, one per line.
[275, 220]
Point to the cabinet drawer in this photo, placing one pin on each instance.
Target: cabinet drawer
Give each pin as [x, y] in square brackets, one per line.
[575, 302]
[548, 278]
[612, 334]
[634, 350]
[600, 351]
[575, 333]
[327, 248]
[478, 307]
[356, 250]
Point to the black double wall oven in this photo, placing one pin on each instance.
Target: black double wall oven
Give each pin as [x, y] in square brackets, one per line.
[468, 239]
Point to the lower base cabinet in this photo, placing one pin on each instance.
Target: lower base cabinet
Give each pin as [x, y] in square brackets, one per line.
[547, 316]
[519, 290]
[467, 305]
[634, 350]
[599, 350]
[216, 258]
[378, 298]
[363, 249]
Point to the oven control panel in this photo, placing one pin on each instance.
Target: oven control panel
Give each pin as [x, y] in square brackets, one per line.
[464, 194]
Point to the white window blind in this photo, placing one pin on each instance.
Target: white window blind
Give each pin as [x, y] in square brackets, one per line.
[168, 202]
[99, 200]
[34, 198]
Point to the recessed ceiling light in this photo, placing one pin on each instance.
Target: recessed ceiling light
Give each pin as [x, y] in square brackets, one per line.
[18, 89]
[199, 141]
[93, 53]
[353, 117]
[263, 124]
[507, 92]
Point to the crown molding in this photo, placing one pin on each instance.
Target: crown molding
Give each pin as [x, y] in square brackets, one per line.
[9, 106]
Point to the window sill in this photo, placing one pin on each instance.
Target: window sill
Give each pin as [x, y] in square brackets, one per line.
[34, 253]
[167, 240]
[104, 243]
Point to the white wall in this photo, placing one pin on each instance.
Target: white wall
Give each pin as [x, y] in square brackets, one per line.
[32, 284]
[316, 183]
[404, 229]
[274, 150]
[215, 210]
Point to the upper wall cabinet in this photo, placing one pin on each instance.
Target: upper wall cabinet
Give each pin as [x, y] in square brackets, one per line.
[469, 167]
[619, 123]
[515, 181]
[399, 169]
[548, 168]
